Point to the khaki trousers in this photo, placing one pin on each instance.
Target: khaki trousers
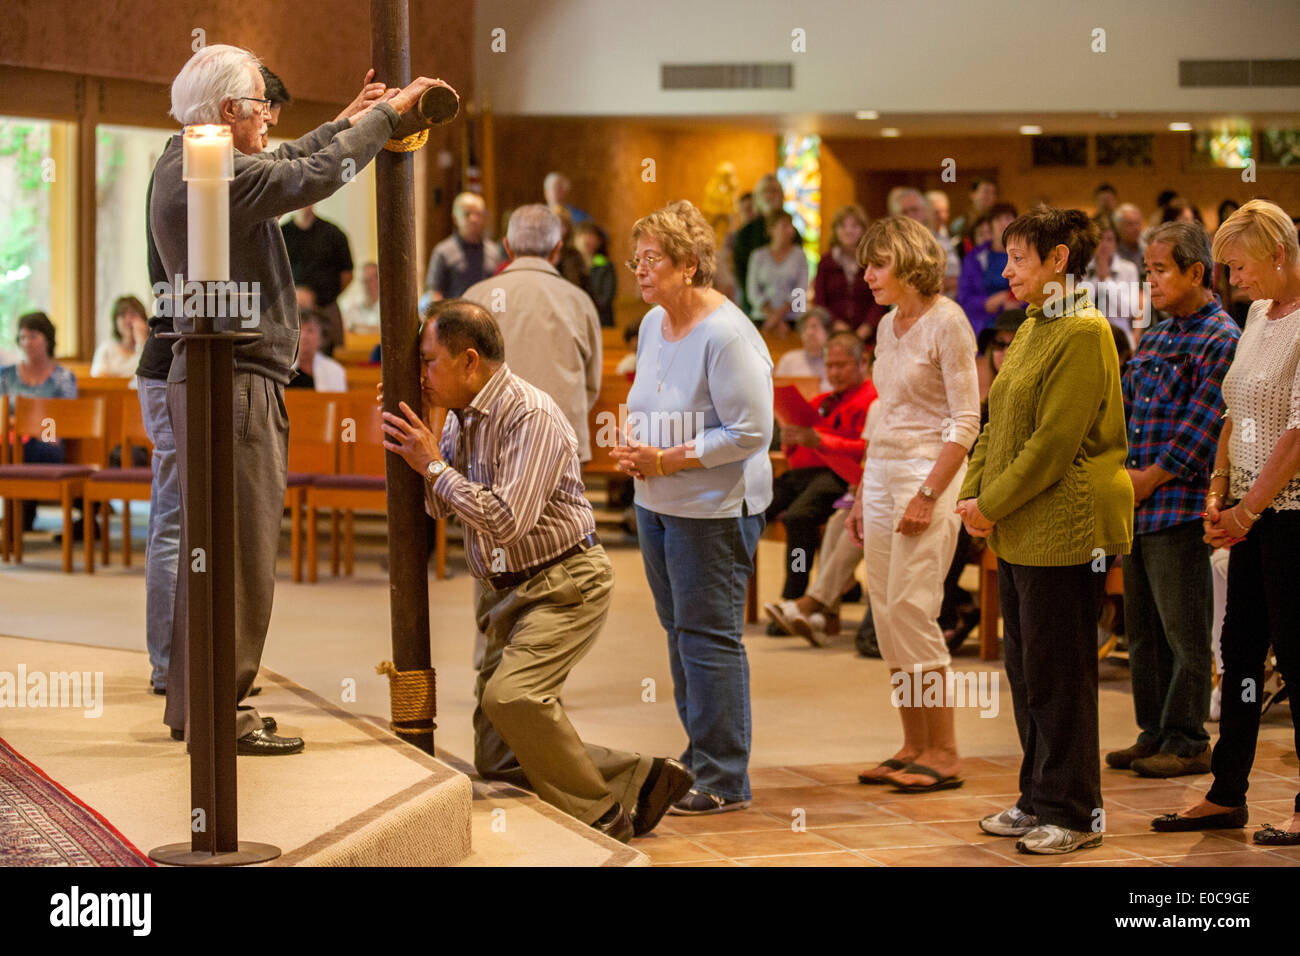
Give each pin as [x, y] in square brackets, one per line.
[536, 633]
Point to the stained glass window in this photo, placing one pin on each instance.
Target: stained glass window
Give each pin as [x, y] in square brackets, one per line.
[801, 178]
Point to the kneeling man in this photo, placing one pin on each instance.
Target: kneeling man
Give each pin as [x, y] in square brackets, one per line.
[508, 466]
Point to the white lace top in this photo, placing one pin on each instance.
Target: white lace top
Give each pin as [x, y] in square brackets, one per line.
[1262, 395]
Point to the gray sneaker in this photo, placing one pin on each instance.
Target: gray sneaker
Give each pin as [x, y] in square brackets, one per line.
[1009, 823]
[1053, 839]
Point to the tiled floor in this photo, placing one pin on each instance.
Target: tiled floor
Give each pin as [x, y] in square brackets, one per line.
[820, 816]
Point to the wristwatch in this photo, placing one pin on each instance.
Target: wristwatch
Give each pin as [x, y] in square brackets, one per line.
[927, 493]
[436, 468]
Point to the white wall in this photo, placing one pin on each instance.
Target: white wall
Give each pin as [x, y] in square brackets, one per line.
[602, 57]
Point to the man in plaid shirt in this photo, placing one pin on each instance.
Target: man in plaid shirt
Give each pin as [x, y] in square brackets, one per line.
[1174, 407]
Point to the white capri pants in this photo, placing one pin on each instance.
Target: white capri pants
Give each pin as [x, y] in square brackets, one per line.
[905, 573]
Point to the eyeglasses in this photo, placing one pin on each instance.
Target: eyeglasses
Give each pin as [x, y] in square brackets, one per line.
[266, 104]
[649, 259]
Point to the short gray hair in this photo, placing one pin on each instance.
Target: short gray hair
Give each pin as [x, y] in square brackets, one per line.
[894, 201]
[534, 231]
[1188, 244]
[218, 72]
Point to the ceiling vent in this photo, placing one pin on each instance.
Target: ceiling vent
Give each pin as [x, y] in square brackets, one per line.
[726, 76]
[1253, 73]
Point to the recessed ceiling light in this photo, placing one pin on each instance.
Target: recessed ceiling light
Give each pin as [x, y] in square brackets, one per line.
[867, 114]
[1180, 127]
[1031, 130]
[890, 131]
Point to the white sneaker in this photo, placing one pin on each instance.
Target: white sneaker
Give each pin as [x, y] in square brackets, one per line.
[1053, 839]
[1216, 702]
[1009, 823]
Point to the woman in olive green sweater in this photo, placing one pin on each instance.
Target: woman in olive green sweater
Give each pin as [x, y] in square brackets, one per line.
[1048, 487]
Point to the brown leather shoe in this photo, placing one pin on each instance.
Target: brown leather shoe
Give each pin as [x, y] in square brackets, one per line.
[615, 823]
[1123, 759]
[1172, 765]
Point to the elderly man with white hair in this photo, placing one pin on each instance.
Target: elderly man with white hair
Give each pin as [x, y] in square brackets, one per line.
[222, 84]
[464, 257]
[550, 326]
[556, 188]
[1128, 233]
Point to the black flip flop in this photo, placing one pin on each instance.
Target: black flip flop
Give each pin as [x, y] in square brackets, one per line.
[940, 781]
[891, 763]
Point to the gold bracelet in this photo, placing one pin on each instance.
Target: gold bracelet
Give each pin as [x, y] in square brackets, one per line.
[1219, 473]
[1249, 514]
[659, 463]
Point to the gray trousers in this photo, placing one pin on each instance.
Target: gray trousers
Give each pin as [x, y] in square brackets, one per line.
[536, 633]
[261, 470]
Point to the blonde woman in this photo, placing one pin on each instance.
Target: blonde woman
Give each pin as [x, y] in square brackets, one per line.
[926, 421]
[1253, 508]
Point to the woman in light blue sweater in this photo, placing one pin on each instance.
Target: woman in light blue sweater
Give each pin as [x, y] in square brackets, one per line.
[698, 429]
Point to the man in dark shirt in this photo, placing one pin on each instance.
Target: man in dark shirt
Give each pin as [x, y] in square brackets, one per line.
[322, 261]
[768, 197]
[464, 257]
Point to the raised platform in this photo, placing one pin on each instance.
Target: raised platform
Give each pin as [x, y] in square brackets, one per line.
[357, 796]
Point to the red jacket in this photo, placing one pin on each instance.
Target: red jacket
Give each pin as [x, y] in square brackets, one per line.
[845, 416]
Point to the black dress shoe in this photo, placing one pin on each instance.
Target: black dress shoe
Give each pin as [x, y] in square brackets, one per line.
[254, 691]
[668, 782]
[262, 744]
[1174, 823]
[160, 691]
[268, 724]
[615, 823]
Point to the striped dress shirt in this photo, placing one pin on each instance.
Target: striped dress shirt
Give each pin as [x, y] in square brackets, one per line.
[513, 478]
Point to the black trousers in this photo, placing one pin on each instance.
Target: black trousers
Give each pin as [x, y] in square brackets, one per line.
[804, 498]
[1263, 608]
[1049, 620]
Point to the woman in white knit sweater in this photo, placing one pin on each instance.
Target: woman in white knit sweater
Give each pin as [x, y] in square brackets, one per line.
[927, 420]
[1253, 507]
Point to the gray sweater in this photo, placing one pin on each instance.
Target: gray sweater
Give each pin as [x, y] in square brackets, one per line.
[266, 186]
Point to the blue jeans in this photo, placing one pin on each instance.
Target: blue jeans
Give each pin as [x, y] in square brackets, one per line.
[698, 569]
[163, 549]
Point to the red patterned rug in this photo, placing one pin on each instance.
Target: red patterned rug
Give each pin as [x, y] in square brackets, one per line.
[42, 824]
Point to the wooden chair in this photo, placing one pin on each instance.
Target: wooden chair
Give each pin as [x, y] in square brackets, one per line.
[82, 420]
[990, 609]
[125, 484]
[359, 486]
[313, 453]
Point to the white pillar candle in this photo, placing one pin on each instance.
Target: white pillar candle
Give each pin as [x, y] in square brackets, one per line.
[208, 165]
